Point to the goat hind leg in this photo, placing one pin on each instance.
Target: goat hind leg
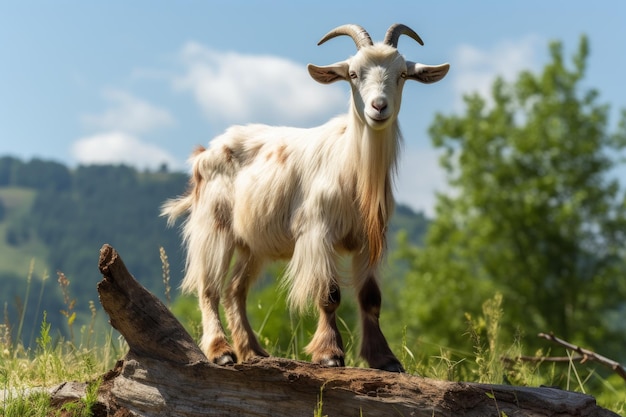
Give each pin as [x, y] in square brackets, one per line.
[213, 342]
[245, 272]
[212, 268]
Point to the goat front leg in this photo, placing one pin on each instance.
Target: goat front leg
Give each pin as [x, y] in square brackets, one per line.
[374, 347]
[312, 276]
[326, 347]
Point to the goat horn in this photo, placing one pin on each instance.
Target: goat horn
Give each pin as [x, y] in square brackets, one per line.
[397, 29]
[359, 35]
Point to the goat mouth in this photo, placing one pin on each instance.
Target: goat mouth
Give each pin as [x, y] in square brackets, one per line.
[378, 115]
[378, 120]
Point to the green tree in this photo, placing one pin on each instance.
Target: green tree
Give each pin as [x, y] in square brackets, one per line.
[40, 174]
[8, 170]
[532, 212]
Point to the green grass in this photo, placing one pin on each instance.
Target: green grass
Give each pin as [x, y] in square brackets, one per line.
[24, 374]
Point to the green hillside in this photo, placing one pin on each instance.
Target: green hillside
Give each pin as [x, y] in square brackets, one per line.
[15, 259]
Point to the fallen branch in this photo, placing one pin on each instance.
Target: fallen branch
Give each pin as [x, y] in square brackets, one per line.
[540, 359]
[587, 355]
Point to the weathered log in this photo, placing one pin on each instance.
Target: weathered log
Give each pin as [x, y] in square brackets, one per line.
[166, 374]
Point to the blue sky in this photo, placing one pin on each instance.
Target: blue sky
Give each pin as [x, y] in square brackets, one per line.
[143, 82]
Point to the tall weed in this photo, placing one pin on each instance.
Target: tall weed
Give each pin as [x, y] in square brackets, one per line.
[26, 373]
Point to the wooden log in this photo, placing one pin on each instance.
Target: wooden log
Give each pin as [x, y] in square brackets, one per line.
[148, 326]
[166, 374]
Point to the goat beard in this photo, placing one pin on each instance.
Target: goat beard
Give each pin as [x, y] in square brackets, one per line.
[374, 194]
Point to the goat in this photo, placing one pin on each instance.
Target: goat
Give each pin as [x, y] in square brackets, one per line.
[306, 194]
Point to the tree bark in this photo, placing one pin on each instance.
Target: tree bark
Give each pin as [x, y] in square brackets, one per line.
[166, 374]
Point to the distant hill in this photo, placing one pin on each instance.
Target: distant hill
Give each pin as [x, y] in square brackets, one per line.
[60, 217]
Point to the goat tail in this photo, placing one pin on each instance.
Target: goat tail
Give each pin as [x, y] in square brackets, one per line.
[176, 207]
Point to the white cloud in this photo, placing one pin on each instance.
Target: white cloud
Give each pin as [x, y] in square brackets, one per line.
[128, 113]
[419, 177]
[121, 147]
[232, 88]
[475, 69]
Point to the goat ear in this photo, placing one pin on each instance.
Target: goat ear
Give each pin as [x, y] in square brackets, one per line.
[426, 74]
[329, 74]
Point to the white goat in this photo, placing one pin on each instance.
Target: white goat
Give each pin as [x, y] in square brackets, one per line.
[308, 194]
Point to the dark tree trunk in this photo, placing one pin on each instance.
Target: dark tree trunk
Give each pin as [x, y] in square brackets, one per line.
[166, 374]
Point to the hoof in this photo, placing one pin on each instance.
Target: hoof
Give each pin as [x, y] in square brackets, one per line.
[334, 362]
[393, 367]
[225, 360]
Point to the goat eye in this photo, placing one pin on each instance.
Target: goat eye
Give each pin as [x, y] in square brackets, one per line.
[353, 75]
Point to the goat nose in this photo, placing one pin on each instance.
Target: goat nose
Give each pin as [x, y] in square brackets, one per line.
[379, 104]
